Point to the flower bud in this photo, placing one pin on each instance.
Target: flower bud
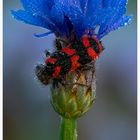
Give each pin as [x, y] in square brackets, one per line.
[75, 97]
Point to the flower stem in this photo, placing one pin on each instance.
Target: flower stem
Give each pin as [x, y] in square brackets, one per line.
[68, 129]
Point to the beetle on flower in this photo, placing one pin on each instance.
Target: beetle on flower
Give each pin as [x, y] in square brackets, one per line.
[75, 21]
[79, 26]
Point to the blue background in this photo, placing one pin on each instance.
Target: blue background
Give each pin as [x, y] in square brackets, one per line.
[28, 114]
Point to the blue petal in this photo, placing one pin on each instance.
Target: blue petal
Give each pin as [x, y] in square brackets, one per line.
[57, 17]
[120, 5]
[68, 3]
[34, 19]
[28, 18]
[99, 17]
[77, 19]
[84, 5]
[66, 16]
[90, 6]
[125, 20]
[35, 6]
[42, 35]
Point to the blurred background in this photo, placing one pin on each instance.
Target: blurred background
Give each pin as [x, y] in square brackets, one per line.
[28, 114]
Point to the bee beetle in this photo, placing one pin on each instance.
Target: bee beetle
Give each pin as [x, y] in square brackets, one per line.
[70, 58]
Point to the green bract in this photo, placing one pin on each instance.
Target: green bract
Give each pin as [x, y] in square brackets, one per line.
[75, 98]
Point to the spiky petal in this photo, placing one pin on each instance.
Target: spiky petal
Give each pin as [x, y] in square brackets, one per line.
[79, 16]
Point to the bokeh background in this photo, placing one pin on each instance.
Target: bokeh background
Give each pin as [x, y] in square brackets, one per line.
[28, 114]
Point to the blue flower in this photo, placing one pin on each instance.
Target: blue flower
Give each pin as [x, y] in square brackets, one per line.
[63, 17]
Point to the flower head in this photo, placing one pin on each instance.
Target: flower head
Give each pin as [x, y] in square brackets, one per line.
[63, 17]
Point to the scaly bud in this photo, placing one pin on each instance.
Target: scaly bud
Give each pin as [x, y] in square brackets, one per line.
[75, 97]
